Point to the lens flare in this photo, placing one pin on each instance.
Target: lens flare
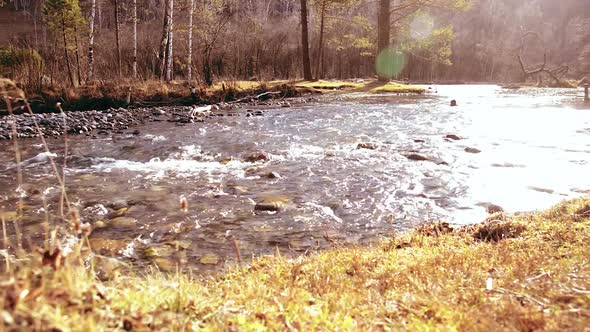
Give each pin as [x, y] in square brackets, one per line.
[390, 62]
[421, 26]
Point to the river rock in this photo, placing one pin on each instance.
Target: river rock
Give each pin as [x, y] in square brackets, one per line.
[416, 157]
[453, 137]
[491, 208]
[256, 156]
[472, 150]
[164, 265]
[368, 146]
[123, 222]
[161, 251]
[119, 203]
[209, 259]
[273, 175]
[272, 204]
[107, 247]
[108, 268]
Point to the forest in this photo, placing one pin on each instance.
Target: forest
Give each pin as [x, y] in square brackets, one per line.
[75, 42]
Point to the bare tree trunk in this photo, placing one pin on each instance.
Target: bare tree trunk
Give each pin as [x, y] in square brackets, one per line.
[77, 53]
[164, 41]
[117, 38]
[383, 28]
[305, 42]
[134, 39]
[68, 65]
[91, 42]
[99, 7]
[190, 40]
[170, 48]
[321, 40]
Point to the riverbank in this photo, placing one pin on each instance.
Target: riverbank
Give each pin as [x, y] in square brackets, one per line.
[112, 108]
[525, 272]
[105, 95]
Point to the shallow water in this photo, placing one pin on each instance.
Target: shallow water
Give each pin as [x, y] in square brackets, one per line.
[535, 150]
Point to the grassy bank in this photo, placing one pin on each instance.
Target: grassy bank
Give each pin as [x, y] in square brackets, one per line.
[103, 95]
[372, 86]
[526, 272]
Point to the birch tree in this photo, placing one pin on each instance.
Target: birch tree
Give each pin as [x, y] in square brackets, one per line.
[190, 40]
[170, 48]
[91, 41]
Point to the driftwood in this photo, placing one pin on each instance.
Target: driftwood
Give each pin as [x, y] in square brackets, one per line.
[251, 98]
[554, 73]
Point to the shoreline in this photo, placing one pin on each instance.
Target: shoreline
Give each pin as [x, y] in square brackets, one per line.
[509, 272]
[102, 110]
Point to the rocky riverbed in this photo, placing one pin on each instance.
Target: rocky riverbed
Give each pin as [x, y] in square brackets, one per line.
[119, 120]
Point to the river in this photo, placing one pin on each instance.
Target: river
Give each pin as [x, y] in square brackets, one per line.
[534, 143]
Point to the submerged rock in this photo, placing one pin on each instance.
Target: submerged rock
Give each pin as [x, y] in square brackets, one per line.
[273, 175]
[416, 157]
[164, 265]
[256, 156]
[123, 222]
[209, 259]
[272, 204]
[453, 137]
[368, 146]
[107, 247]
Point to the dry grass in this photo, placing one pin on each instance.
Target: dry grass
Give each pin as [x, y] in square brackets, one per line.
[330, 85]
[526, 272]
[102, 95]
[398, 88]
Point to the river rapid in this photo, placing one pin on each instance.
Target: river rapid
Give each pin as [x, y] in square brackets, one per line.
[337, 169]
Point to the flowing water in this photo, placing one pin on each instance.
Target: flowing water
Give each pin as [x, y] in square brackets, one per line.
[535, 150]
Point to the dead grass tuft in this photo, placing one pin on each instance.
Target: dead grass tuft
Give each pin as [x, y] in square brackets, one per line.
[497, 230]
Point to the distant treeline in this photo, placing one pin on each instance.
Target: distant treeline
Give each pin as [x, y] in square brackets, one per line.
[74, 42]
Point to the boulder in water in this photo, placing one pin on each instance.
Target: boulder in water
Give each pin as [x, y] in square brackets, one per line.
[256, 156]
[453, 137]
[368, 146]
[416, 157]
[472, 150]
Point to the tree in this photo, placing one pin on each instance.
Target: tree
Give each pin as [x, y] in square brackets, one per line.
[383, 29]
[134, 39]
[118, 37]
[91, 41]
[190, 41]
[392, 14]
[305, 42]
[170, 48]
[166, 47]
[62, 17]
[324, 6]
